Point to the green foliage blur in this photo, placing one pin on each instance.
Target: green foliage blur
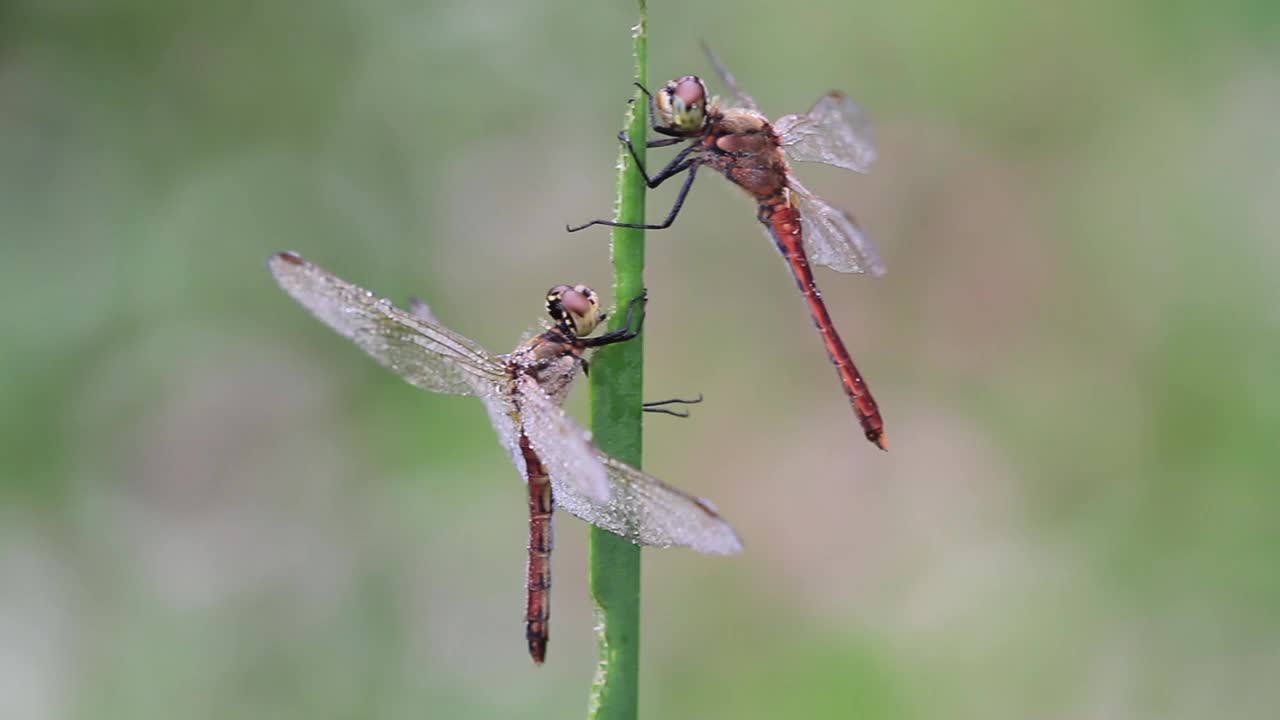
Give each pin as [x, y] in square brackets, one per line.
[212, 507]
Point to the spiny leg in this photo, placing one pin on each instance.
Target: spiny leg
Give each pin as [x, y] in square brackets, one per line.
[655, 143]
[678, 164]
[624, 333]
[691, 165]
[656, 406]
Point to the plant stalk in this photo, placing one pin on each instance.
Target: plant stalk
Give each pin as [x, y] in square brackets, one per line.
[616, 393]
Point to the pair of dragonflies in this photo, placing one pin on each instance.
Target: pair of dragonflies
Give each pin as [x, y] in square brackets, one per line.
[523, 391]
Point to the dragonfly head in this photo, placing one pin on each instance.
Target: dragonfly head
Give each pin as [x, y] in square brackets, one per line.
[575, 310]
[682, 104]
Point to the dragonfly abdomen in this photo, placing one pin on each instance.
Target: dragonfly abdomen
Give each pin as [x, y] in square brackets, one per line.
[783, 221]
[538, 581]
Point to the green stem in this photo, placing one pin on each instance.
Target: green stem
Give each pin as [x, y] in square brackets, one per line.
[616, 391]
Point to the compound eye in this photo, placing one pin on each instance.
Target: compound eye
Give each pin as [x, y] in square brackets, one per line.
[554, 299]
[686, 106]
[583, 306]
[665, 105]
[575, 302]
[690, 91]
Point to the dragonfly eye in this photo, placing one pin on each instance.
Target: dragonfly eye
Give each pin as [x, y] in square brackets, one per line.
[682, 104]
[575, 309]
[555, 302]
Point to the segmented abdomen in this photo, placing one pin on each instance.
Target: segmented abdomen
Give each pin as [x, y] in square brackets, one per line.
[538, 582]
[783, 221]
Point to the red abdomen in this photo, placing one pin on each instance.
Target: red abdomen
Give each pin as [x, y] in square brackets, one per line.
[784, 225]
[538, 582]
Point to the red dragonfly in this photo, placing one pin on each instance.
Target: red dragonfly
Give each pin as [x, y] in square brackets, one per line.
[753, 153]
[523, 392]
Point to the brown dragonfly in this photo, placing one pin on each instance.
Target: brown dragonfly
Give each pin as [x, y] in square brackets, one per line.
[523, 393]
[753, 153]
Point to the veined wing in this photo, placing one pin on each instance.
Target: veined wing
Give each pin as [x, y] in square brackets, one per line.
[832, 237]
[564, 448]
[423, 353]
[613, 495]
[744, 100]
[421, 310]
[506, 423]
[645, 510]
[834, 132]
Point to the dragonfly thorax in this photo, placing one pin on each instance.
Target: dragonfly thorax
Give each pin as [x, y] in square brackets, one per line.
[551, 360]
[744, 121]
[743, 145]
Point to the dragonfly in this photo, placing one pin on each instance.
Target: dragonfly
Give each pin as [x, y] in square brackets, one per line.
[740, 142]
[523, 392]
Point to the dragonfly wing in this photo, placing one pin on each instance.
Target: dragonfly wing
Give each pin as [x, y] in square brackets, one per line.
[577, 476]
[832, 237]
[834, 132]
[611, 494]
[505, 419]
[744, 100]
[647, 511]
[421, 310]
[426, 354]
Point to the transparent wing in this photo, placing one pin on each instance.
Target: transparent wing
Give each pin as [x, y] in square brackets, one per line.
[506, 423]
[613, 495]
[832, 237]
[647, 511]
[426, 354]
[421, 310]
[744, 100]
[834, 132]
[563, 447]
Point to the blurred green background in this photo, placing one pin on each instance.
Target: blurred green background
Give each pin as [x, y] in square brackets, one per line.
[213, 507]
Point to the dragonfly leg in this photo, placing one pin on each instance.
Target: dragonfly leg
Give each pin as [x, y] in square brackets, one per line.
[663, 142]
[672, 168]
[676, 401]
[678, 164]
[625, 333]
[691, 165]
[653, 105]
[655, 143]
[656, 406]
[665, 411]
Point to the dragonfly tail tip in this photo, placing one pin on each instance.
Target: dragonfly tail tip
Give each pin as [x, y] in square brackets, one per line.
[538, 651]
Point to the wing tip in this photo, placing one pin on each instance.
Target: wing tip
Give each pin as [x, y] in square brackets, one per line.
[869, 158]
[285, 261]
[722, 541]
[730, 543]
[286, 256]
